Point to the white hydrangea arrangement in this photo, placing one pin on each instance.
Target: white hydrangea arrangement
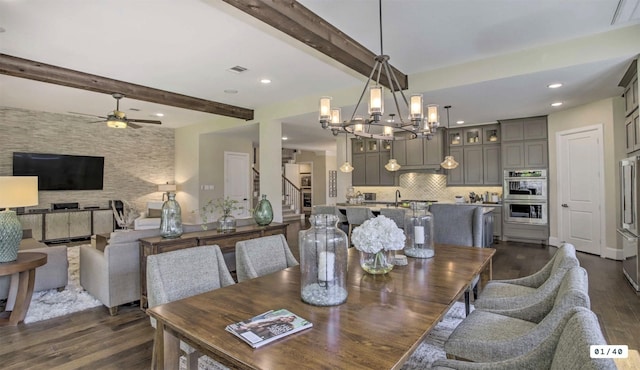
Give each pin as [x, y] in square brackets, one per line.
[377, 234]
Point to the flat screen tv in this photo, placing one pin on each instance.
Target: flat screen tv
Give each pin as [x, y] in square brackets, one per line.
[60, 172]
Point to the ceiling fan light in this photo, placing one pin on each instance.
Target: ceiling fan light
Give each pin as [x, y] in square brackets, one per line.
[449, 163]
[392, 165]
[116, 123]
[346, 167]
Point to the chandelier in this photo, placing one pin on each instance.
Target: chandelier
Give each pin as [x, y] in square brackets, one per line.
[416, 124]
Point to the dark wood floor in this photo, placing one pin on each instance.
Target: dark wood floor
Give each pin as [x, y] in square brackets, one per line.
[94, 340]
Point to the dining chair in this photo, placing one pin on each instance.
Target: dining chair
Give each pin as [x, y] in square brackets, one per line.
[184, 273]
[395, 214]
[485, 336]
[569, 351]
[356, 216]
[262, 256]
[530, 297]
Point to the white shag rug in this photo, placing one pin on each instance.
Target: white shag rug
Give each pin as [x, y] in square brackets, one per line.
[430, 350]
[47, 304]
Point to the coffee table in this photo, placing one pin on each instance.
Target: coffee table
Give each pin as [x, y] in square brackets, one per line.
[23, 269]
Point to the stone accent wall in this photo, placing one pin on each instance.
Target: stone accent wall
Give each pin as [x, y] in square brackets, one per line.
[136, 161]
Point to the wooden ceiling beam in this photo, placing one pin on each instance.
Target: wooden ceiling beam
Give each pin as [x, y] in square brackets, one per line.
[18, 67]
[292, 18]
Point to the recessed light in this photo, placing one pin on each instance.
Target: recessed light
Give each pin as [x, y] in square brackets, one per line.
[556, 104]
[554, 85]
[265, 81]
[459, 122]
[159, 114]
[285, 138]
[231, 91]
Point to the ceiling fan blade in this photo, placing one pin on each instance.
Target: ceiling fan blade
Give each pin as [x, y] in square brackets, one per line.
[145, 121]
[86, 114]
[97, 121]
[133, 125]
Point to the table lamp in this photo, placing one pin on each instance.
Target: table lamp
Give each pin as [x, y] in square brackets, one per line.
[166, 189]
[15, 191]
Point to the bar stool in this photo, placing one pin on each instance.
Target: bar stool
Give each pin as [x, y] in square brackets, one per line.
[395, 214]
[356, 216]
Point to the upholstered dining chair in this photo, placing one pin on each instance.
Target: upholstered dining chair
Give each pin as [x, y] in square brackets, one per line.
[569, 351]
[459, 225]
[395, 214]
[356, 216]
[262, 256]
[486, 336]
[531, 297]
[185, 273]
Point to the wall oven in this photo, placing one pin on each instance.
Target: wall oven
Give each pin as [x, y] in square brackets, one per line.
[525, 212]
[525, 184]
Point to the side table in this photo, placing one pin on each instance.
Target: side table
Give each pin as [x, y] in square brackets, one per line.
[24, 269]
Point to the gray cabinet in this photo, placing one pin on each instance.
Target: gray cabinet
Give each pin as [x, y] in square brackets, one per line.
[419, 153]
[479, 161]
[497, 223]
[67, 225]
[433, 150]
[415, 152]
[473, 165]
[387, 178]
[524, 143]
[492, 165]
[532, 128]
[369, 157]
[358, 173]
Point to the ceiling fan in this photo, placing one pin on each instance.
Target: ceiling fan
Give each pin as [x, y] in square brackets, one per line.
[118, 119]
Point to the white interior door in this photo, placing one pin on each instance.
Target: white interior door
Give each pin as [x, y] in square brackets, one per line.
[237, 181]
[580, 185]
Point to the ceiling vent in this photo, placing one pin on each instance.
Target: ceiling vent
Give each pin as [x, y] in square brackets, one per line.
[237, 69]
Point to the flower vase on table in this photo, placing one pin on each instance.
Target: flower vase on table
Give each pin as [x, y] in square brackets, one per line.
[377, 239]
[227, 223]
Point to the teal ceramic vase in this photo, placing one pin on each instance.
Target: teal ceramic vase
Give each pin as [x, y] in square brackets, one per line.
[263, 214]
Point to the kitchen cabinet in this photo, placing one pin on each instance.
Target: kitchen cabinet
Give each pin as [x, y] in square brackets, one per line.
[533, 128]
[525, 154]
[632, 128]
[630, 84]
[419, 153]
[492, 165]
[454, 137]
[497, 223]
[479, 161]
[369, 157]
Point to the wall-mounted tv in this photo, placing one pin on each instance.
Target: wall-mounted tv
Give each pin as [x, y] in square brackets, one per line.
[59, 171]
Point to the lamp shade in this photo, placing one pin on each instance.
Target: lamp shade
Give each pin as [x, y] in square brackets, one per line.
[167, 187]
[449, 163]
[392, 165]
[18, 191]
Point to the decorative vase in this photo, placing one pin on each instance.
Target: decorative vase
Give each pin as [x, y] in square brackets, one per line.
[323, 262]
[419, 231]
[171, 218]
[377, 263]
[10, 236]
[263, 214]
[227, 223]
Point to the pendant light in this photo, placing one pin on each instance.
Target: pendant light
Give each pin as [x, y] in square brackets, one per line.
[346, 166]
[449, 162]
[392, 165]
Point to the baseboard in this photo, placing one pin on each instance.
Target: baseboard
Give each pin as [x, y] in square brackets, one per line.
[610, 253]
[554, 241]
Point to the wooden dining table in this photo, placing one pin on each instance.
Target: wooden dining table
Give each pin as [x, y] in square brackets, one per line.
[383, 321]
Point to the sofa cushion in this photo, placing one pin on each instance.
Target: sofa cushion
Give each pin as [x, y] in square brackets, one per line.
[154, 213]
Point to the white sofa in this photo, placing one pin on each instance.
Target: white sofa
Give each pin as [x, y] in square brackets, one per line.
[149, 218]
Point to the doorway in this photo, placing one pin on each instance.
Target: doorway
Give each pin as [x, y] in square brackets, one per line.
[237, 181]
[581, 188]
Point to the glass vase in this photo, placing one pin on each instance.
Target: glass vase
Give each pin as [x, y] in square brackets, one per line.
[227, 223]
[323, 262]
[263, 214]
[419, 231]
[171, 218]
[377, 263]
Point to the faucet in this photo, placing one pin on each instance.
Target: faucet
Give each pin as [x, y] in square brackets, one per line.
[397, 196]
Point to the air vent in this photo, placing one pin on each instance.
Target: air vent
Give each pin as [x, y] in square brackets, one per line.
[237, 69]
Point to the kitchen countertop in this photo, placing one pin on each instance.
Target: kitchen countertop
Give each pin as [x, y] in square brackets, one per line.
[375, 206]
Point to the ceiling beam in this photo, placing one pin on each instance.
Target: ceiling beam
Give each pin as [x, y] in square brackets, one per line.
[18, 67]
[292, 18]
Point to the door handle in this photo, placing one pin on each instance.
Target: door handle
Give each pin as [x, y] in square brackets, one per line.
[565, 205]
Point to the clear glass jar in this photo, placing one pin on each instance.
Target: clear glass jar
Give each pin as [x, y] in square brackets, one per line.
[377, 263]
[263, 214]
[226, 223]
[419, 231]
[171, 218]
[323, 262]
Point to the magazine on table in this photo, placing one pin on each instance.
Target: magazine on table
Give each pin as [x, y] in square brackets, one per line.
[267, 327]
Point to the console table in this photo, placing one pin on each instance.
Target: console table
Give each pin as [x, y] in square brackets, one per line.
[24, 269]
[226, 241]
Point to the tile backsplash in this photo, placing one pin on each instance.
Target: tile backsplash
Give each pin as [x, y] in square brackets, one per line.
[426, 186]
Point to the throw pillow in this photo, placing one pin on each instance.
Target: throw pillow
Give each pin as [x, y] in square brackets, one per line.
[154, 213]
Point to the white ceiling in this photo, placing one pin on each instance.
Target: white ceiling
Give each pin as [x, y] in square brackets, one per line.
[187, 46]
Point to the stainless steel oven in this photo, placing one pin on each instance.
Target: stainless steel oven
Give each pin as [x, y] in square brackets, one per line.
[525, 212]
[525, 184]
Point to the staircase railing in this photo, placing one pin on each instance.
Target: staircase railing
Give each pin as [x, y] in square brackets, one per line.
[291, 194]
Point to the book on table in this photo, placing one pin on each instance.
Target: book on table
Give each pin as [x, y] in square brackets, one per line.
[267, 327]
